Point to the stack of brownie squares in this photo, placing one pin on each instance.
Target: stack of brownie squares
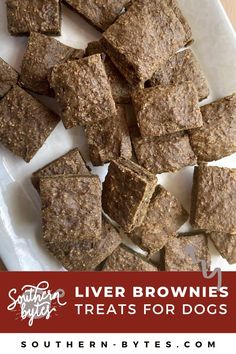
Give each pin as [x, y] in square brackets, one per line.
[142, 62]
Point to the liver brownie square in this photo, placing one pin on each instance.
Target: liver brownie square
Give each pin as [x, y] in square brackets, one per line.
[109, 139]
[83, 91]
[71, 163]
[124, 260]
[8, 77]
[164, 217]
[120, 88]
[214, 199]
[163, 110]
[71, 208]
[168, 153]
[41, 55]
[177, 256]
[86, 255]
[101, 13]
[144, 37]
[225, 244]
[182, 66]
[25, 123]
[127, 191]
[217, 137]
[25, 16]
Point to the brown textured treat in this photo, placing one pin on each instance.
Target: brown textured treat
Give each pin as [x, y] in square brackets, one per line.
[225, 244]
[164, 217]
[101, 13]
[176, 253]
[41, 55]
[143, 38]
[25, 16]
[182, 66]
[124, 260]
[25, 123]
[71, 208]
[71, 163]
[86, 255]
[83, 91]
[108, 140]
[120, 88]
[217, 137]
[127, 191]
[214, 199]
[8, 77]
[168, 153]
[164, 110]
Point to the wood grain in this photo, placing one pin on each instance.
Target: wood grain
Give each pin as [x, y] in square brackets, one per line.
[230, 7]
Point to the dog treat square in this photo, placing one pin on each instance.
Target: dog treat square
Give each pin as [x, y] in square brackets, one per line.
[83, 91]
[71, 208]
[109, 139]
[124, 260]
[101, 13]
[25, 123]
[217, 137]
[71, 163]
[168, 153]
[8, 77]
[163, 110]
[41, 55]
[164, 217]
[182, 66]
[25, 16]
[120, 87]
[214, 199]
[127, 192]
[178, 253]
[86, 255]
[225, 244]
[144, 37]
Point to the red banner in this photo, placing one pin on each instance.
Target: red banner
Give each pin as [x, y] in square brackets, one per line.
[63, 302]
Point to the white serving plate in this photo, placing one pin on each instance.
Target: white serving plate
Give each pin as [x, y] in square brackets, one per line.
[20, 241]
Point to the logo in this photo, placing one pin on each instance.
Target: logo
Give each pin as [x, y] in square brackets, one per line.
[35, 302]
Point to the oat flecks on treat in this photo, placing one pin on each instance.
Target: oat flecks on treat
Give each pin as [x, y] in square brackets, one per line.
[25, 16]
[127, 192]
[25, 123]
[83, 91]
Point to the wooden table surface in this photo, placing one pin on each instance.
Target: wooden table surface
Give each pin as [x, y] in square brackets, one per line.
[230, 6]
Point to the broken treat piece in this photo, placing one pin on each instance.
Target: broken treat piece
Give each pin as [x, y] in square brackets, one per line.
[178, 253]
[101, 13]
[109, 139]
[127, 192]
[125, 260]
[163, 110]
[86, 255]
[71, 208]
[71, 163]
[217, 137]
[144, 37]
[225, 244]
[25, 16]
[214, 199]
[25, 123]
[168, 153]
[120, 88]
[83, 91]
[41, 55]
[182, 66]
[164, 217]
[8, 77]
